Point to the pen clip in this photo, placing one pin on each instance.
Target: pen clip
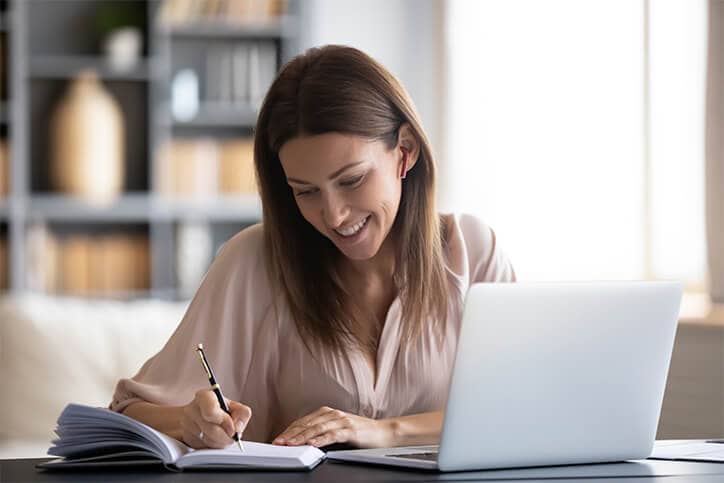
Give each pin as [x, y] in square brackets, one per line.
[200, 351]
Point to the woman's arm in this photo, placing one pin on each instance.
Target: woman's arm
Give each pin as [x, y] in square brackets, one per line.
[416, 429]
[202, 416]
[327, 426]
[166, 419]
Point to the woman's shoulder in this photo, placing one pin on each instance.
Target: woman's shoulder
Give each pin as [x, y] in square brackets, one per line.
[467, 229]
[237, 281]
[249, 239]
[466, 221]
[473, 251]
[241, 258]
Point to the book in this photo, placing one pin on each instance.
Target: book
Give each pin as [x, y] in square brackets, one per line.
[240, 80]
[3, 264]
[74, 270]
[4, 169]
[236, 167]
[711, 450]
[98, 437]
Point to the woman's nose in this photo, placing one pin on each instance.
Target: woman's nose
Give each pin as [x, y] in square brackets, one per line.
[334, 211]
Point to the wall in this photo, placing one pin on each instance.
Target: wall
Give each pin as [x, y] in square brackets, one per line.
[403, 35]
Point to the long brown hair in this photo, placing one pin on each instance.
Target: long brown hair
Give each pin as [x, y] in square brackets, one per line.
[341, 89]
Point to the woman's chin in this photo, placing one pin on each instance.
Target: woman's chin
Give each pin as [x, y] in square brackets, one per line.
[359, 246]
[358, 257]
[357, 253]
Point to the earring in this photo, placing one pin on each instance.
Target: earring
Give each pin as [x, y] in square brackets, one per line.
[403, 172]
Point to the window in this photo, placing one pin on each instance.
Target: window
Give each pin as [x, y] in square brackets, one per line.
[576, 130]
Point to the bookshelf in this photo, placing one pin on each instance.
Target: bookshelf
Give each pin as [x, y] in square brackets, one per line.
[177, 205]
[6, 106]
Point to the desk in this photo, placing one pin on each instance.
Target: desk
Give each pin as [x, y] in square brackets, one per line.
[23, 470]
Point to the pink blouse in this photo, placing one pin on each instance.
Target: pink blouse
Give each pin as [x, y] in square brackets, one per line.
[259, 358]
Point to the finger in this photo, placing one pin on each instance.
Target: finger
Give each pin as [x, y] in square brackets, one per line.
[240, 414]
[337, 436]
[209, 407]
[303, 421]
[211, 412]
[327, 422]
[190, 431]
[215, 436]
[300, 425]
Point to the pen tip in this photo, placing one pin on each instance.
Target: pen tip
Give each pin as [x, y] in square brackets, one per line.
[238, 442]
[200, 346]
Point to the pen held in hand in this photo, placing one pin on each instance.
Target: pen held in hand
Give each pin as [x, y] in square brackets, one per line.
[217, 389]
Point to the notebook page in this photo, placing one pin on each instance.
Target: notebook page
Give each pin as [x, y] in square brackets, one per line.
[254, 454]
[174, 448]
[82, 428]
[688, 450]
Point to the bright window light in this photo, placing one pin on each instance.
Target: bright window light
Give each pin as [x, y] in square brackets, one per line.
[546, 138]
[677, 36]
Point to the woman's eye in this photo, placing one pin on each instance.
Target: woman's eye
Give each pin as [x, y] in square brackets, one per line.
[353, 181]
[303, 193]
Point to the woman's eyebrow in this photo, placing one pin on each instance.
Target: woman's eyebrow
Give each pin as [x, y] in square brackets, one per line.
[331, 176]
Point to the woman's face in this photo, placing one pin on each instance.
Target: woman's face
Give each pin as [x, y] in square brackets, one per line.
[347, 187]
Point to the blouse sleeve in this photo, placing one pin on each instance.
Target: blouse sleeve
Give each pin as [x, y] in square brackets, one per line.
[487, 260]
[231, 315]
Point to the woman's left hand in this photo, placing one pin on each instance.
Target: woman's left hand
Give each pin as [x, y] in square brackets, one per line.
[327, 425]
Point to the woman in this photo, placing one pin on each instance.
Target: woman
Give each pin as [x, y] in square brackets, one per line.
[336, 320]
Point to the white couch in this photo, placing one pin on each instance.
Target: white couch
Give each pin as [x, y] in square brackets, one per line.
[56, 350]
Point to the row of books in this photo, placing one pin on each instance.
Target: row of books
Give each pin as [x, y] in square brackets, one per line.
[87, 265]
[4, 266]
[4, 168]
[194, 251]
[182, 12]
[240, 73]
[3, 66]
[206, 167]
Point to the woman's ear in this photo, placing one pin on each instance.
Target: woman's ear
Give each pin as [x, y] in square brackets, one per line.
[408, 149]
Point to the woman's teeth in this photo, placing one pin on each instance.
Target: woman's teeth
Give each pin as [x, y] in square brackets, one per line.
[353, 229]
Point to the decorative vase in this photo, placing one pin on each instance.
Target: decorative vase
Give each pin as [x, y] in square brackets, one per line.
[87, 141]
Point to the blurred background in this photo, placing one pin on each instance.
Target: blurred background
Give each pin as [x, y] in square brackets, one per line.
[587, 133]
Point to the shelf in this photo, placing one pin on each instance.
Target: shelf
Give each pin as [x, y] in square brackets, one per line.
[59, 39]
[4, 209]
[281, 27]
[222, 208]
[122, 295]
[4, 112]
[141, 207]
[170, 294]
[67, 67]
[220, 115]
[58, 207]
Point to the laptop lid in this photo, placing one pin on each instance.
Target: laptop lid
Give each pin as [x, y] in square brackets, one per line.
[559, 373]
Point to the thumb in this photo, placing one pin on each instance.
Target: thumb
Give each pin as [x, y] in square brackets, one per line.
[240, 414]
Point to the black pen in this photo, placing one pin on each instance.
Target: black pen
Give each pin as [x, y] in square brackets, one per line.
[217, 389]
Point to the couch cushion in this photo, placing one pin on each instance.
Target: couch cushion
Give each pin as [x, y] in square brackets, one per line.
[56, 350]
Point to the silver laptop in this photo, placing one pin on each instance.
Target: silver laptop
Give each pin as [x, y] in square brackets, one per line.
[551, 374]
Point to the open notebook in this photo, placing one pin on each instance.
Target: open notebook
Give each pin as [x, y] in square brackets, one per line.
[711, 450]
[90, 436]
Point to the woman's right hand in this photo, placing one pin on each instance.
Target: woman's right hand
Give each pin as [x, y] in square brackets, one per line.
[206, 425]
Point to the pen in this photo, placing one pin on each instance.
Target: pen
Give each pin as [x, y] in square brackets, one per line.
[217, 389]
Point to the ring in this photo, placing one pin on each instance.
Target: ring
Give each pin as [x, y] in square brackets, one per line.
[201, 435]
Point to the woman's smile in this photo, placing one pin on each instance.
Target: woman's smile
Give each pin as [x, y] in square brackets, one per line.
[353, 234]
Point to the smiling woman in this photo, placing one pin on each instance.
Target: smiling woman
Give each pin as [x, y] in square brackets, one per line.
[336, 320]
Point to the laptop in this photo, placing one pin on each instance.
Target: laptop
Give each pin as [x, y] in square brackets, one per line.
[551, 374]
